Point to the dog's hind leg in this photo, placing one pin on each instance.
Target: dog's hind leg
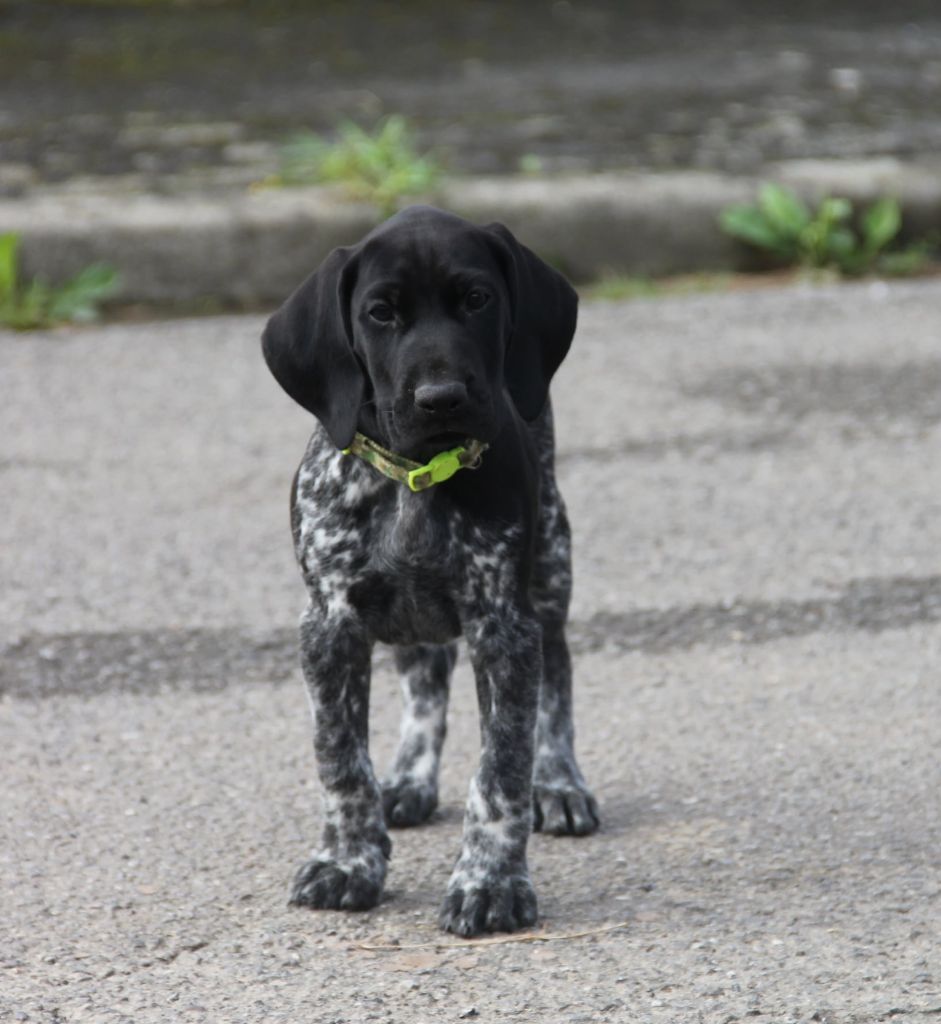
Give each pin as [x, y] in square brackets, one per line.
[410, 792]
[562, 802]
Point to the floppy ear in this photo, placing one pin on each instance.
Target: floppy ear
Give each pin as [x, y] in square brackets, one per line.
[545, 308]
[307, 345]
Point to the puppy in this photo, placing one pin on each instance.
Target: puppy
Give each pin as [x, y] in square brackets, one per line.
[426, 508]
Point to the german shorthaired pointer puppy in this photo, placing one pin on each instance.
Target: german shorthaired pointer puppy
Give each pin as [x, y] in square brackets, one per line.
[426, 507]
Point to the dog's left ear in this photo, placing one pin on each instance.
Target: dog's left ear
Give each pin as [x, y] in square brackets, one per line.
[307, 346]
[544, 311]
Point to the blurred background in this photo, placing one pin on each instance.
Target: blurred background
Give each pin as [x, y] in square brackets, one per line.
[200, 95]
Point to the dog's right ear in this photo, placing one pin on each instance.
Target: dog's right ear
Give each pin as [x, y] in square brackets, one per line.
[308, 346]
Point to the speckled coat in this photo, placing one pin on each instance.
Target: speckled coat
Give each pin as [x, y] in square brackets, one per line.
[432, 330]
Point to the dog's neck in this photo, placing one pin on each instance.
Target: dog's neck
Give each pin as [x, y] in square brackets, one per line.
[414, 475]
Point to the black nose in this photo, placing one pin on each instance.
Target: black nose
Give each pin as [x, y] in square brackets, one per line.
[441, 399]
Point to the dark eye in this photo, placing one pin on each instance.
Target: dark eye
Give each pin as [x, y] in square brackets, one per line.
[382, 313]
[476, 299]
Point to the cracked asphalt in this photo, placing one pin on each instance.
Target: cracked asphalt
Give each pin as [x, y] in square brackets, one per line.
[754, 481]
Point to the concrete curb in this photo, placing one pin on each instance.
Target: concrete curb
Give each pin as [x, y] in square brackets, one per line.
[251, 249]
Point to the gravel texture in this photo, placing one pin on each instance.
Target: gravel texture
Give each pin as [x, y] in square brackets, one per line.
[754, 485]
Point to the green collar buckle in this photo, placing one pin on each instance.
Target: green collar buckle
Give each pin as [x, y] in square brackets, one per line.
[414, 475]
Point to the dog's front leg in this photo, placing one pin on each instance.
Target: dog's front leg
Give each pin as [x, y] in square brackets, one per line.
[490, 888]
[348, 870]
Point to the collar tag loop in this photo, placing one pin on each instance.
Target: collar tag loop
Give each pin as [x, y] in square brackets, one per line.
[414, 475]
[442, 467]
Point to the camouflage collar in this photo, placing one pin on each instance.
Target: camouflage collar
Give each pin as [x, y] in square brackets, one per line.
[416, 475]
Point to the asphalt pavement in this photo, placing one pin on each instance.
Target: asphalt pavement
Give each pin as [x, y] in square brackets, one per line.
[755, 488]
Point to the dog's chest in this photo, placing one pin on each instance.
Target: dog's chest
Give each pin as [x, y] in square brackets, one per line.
[411, 567]
[411, 588]
[369, 546]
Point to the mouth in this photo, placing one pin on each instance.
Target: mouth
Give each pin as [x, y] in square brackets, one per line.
[445, 440]
[433, 444]
[422, 439]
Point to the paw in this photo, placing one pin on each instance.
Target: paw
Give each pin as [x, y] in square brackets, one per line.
[492, 903]
[406, 802]
[328, 883]
[564, 809]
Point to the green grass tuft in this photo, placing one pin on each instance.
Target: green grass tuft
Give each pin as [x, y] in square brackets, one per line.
[828, 238]
[33, 304]
[381, 166]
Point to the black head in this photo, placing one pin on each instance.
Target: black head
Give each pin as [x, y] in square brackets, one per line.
[416, 335]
